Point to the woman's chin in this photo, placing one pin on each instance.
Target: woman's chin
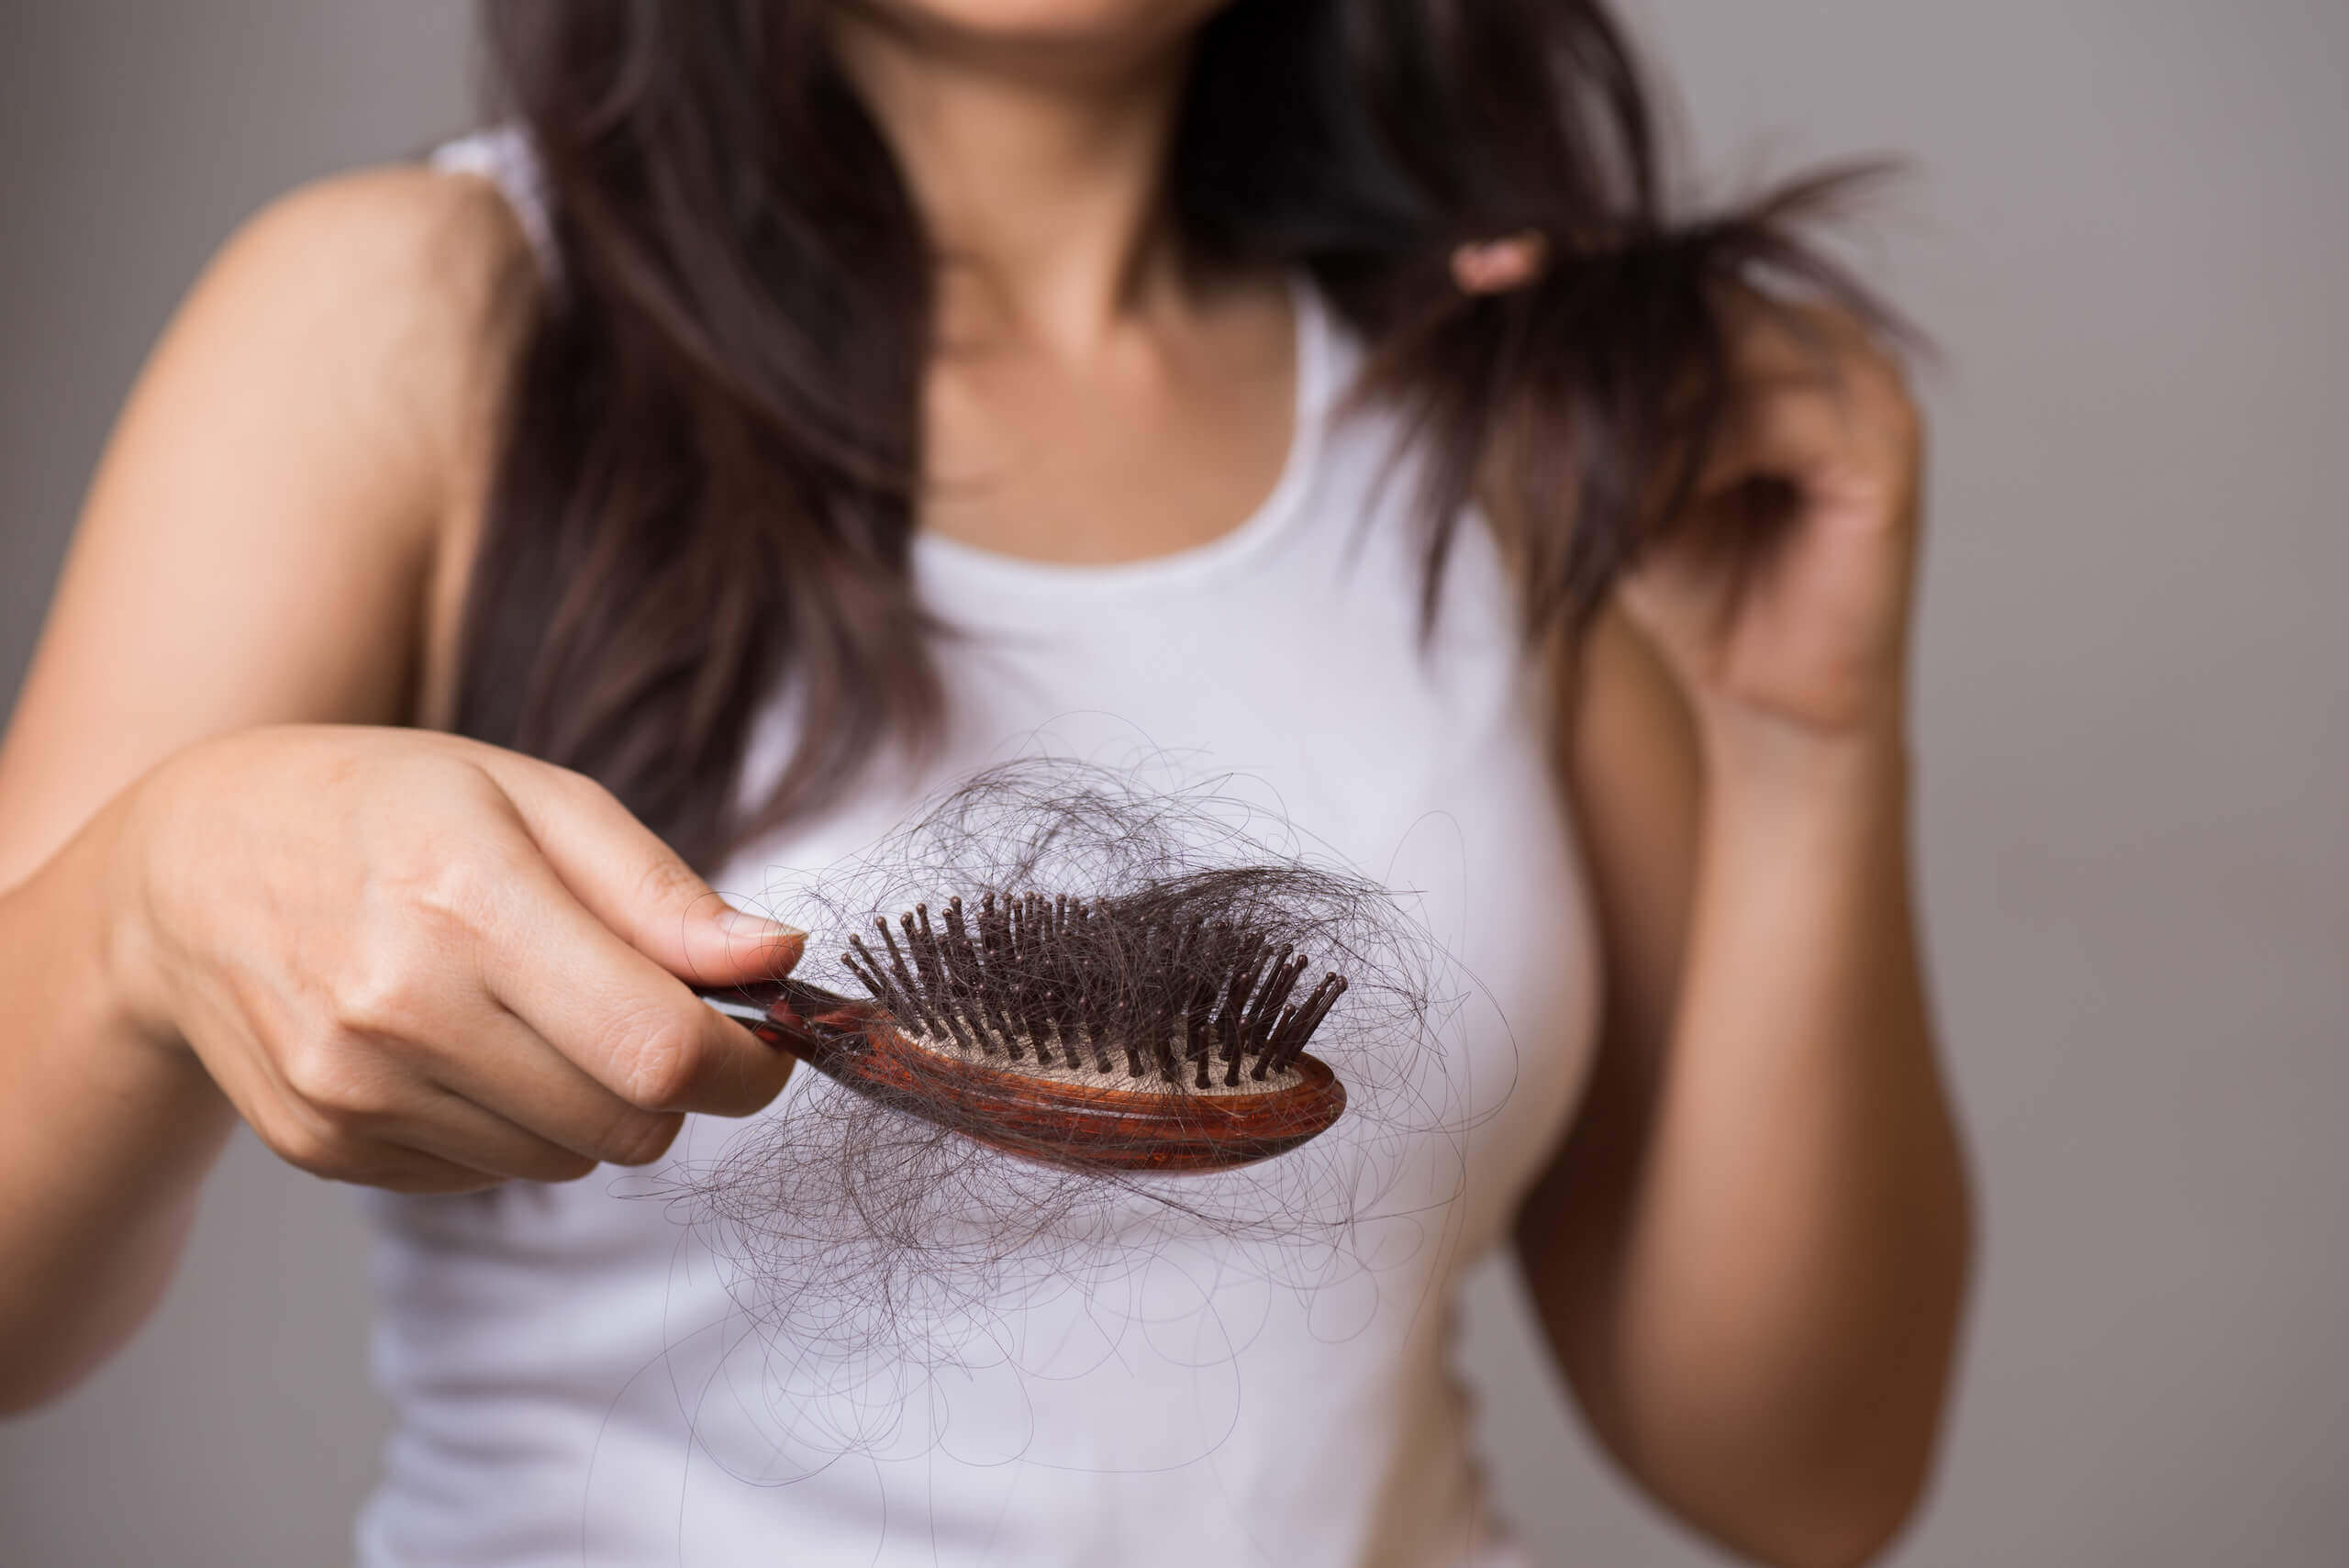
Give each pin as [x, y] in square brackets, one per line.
[1112, 27]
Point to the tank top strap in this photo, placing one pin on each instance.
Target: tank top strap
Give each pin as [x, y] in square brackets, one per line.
[503, 155]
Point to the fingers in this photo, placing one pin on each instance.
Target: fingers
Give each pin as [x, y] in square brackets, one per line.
[470, 1095]
[1817, 403]
[1807, 347]
[351, 1119]
[407, 1170]
[625, 1021]
[454, 1099]
[507, 1080]
[635, 884]
[454, 1132]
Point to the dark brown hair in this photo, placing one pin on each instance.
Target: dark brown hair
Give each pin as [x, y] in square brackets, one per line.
[712, 452]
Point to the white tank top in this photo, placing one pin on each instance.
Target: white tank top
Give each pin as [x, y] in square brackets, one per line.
[572, 1380]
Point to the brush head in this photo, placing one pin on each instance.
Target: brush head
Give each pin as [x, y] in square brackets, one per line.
[1101, 1034]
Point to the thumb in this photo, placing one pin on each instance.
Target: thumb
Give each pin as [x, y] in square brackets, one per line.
[638, 886]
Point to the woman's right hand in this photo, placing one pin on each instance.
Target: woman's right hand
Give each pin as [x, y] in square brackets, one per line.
[420, 962]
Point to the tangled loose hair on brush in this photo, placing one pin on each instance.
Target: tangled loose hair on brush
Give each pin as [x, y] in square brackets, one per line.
[877, 1240]
[711, 456]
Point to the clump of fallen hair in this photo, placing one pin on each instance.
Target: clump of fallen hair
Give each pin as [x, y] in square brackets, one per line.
[1176, 986]
[873, 1246]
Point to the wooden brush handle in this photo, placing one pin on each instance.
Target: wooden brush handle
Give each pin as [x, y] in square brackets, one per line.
[1114, 1126]
[773, 1008]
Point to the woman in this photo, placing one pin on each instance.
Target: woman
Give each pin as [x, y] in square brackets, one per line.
[812, 399]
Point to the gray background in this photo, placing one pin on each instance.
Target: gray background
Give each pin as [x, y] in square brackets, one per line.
[2129, 230]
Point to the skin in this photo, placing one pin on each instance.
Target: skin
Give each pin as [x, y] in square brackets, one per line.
[247, 878]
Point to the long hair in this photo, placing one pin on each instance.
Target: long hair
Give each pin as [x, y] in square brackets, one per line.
[711, 454]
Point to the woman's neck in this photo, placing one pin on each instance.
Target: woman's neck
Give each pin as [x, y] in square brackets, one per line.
[1038, 175]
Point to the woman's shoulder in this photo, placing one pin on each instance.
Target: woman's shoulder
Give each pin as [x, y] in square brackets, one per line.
[419, 275]
[298, 466]
[378, 312]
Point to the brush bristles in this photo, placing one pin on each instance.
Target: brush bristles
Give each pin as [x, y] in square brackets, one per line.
[1095, 987]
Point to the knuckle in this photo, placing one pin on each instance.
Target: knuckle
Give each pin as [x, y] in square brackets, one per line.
[663, 1063]
[669, 883]
[346, 1094]
[1880, 378]
[384, 997]
[577, 792]
[449, 887]
[312, 1144]
[317, 1069]
[585, 786]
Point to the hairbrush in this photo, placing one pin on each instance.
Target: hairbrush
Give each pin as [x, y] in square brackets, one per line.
[1089, 1035]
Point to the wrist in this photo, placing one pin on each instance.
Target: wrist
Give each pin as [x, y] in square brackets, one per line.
[122, 954]
[92, 1032]
[1804, 812]
[1763, 756]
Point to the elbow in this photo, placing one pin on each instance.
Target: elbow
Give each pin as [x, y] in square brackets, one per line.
[40, 1369]
[1845, 1532]
[1862, 1486]
[25, 1390]
[1840, 1500]
[50, 1347]
[1841, 1509]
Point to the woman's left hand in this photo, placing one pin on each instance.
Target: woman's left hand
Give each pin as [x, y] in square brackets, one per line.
[1765, 1178]
[1780, 593]
[1780, 596]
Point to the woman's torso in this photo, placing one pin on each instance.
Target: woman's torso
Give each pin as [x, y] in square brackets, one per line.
[577, 1374]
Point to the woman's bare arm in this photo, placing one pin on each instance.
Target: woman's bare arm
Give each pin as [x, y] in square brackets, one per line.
[260, 540]
[254, 549]
[1750, 1255]
[219, 899]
